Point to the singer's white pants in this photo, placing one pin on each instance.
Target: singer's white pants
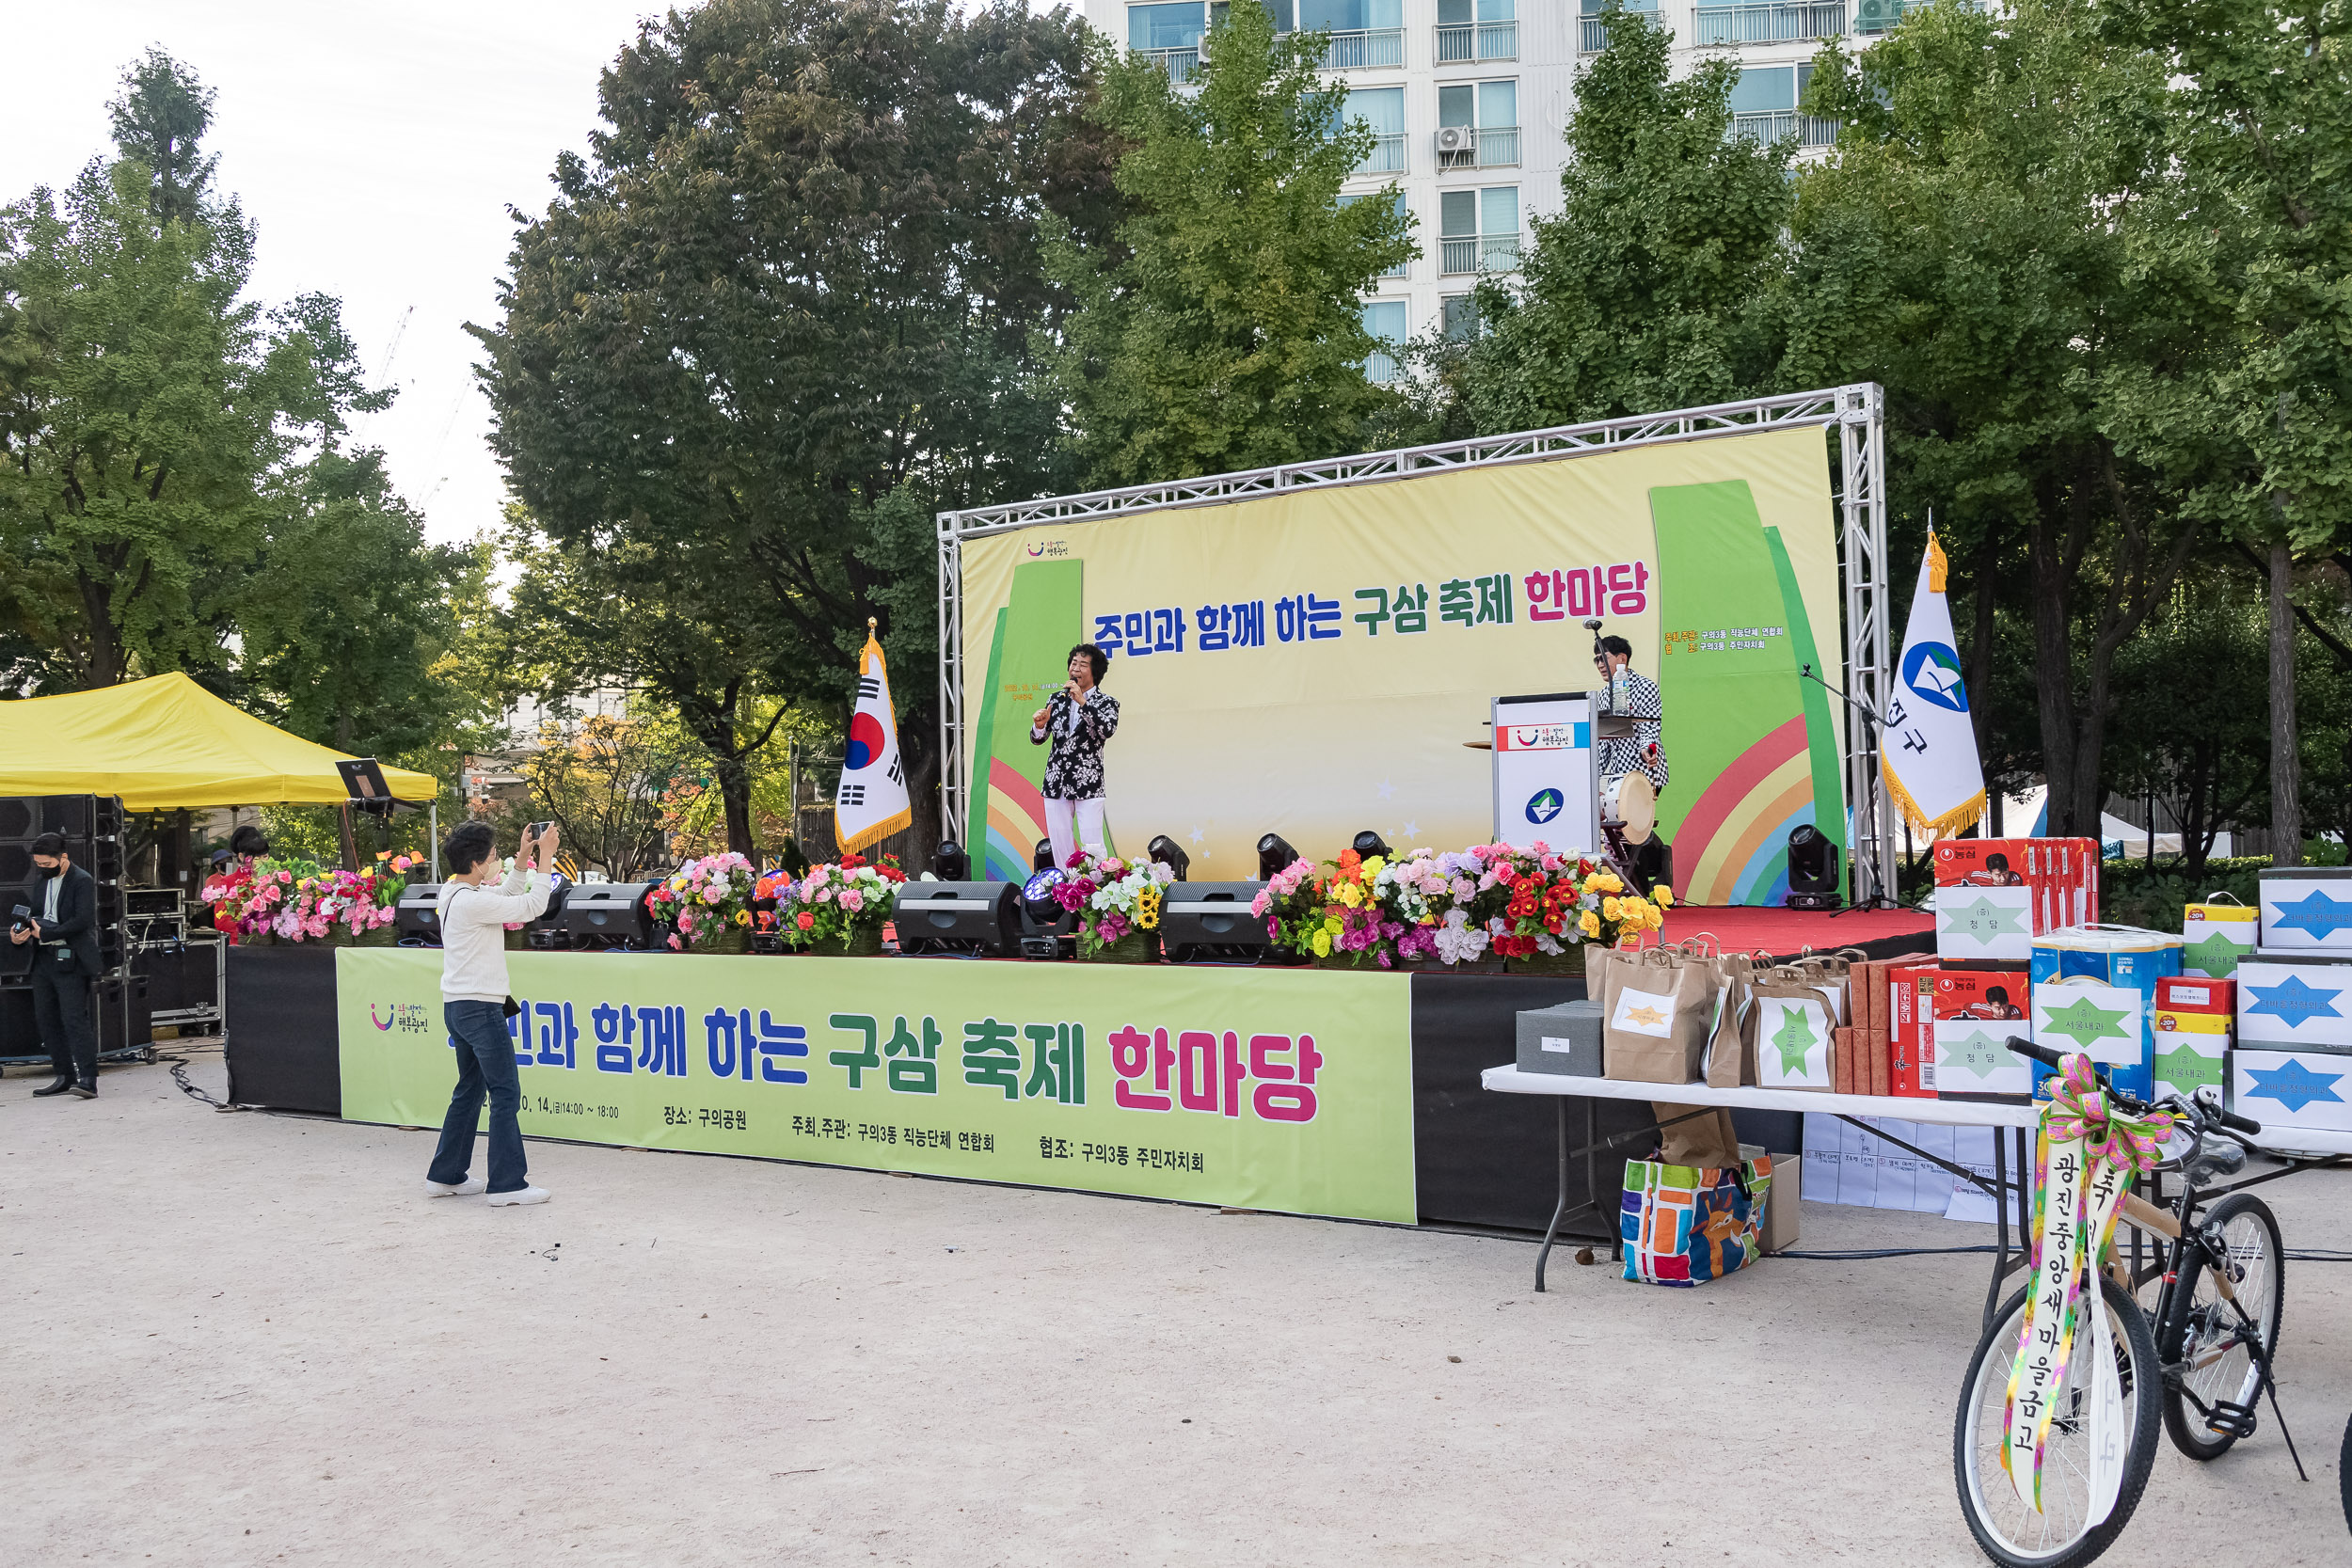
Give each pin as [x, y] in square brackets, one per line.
[1085, 817]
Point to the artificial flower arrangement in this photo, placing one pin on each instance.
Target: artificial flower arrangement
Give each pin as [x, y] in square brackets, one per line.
[1114, 900]
[845, 903]
[294, 900]
[1455, 906]
[705, 901]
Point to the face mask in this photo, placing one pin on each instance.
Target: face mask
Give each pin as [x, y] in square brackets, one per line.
[57, 870]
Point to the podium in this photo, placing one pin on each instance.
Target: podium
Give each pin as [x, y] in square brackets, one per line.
[1547, 775]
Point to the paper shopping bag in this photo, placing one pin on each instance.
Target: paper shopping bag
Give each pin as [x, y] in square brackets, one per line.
[1794, 1043]
[1730, 1060]
[1697, 1136]
[1659, 1010]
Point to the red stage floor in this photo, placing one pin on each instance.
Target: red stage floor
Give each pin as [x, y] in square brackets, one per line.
[1785, 932]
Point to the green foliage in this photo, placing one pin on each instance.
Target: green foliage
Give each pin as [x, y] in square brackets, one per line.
[1221, 327]
[159, 121]
[1651, 287]
[2132, 894]
[799, 275]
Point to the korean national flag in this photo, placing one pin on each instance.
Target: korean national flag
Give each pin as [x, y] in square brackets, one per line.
[872, 801]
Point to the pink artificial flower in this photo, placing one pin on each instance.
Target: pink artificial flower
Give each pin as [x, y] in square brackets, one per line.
[714, 897]
[824, 895]
[852, 900]
[677, 946]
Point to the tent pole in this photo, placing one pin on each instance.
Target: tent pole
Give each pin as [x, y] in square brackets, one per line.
[433, 836]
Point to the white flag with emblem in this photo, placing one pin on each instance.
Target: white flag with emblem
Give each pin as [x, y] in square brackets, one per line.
[1929, 752]
[871, 803]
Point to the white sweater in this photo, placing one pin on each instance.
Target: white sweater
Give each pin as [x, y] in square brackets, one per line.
[473, 933]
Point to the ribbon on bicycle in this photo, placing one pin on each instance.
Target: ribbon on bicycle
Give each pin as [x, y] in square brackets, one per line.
[2086, 1155]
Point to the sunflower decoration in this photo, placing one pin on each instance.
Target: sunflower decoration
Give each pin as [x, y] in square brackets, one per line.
[1148, 910]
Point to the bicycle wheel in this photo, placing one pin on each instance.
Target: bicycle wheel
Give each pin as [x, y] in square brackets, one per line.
[2064, 1534]
[2214, 1365]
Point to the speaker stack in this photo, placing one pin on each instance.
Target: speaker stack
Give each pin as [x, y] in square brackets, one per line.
[92, 826]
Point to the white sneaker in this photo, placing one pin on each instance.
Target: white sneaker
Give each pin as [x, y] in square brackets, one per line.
[521, 1195]
[467, 1188]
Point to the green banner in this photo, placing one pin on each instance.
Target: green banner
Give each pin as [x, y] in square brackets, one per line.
[1282, 1089]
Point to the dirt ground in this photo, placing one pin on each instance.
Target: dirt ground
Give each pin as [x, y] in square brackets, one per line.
[246, 1339]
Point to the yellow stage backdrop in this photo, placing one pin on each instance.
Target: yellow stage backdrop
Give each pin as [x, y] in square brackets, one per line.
[1311, 663]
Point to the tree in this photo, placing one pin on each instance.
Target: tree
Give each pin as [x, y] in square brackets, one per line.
[2190, 725]
[1981, 243]
[159, 121]
[1221, 327]
[2258, 430]
[797, 279]
[602, 781]
[1651, 287]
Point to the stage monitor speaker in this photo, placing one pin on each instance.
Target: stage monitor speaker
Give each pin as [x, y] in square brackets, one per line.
[418, 916]
[608, 915]
[545, 934]
[1210, 923]
[957, 917]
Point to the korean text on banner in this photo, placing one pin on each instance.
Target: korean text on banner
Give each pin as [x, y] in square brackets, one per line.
[871, 803]
[1929, 756]
[1284, 1090]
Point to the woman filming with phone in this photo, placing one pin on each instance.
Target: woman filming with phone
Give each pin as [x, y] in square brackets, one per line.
[475, 1002]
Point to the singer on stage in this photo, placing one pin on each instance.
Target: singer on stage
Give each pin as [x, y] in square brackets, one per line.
[1079, 718]
[1636, 697]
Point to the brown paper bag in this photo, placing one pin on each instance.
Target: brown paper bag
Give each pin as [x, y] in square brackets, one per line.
[1658, 1011]
[1706, 1140]
[1792, 983]
[1730, 1057]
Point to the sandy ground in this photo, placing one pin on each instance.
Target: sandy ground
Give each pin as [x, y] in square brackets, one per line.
[249, 1338]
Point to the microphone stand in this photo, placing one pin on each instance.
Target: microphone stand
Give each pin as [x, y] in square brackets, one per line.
[1875, 727]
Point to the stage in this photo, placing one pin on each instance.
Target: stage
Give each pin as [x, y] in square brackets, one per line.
[1787, 933]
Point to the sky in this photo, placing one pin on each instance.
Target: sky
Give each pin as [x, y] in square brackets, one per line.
[376, 148]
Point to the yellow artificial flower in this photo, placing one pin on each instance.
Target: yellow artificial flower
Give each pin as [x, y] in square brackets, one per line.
[1588, 922]
[1592, 883]
[1148, 910]
[1665, 896]
[1610, 882]
[1350, 895]
[1609, 909]
[1372, 866]
[743, 917]
[1323, 945]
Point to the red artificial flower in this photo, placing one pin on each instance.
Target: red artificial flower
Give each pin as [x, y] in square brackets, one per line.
[804, 920]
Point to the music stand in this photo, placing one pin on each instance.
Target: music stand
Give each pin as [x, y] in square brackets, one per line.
[364, 780]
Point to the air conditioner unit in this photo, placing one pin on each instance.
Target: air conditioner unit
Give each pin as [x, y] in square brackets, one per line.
[1456, 138]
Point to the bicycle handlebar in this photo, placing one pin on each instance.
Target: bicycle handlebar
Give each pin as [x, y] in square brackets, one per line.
[2042, 1053]
[2231, 1121]
[2206, 1108]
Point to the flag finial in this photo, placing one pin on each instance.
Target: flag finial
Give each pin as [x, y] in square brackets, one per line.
[869, 622]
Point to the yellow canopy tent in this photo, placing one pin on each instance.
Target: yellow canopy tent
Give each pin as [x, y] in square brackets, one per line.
[165, 743]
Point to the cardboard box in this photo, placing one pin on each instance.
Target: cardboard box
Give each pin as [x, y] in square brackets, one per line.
[1877, 1051]
[2094, 967]
[2307, 910]
[1910, 1001]
[2192, 1053]
[1779, 1231]
[1562, 1039]
[2216, 936]
[1995, 895]
[1842, 1060]
[2303, 1003]
[1976, 1012]
[2292, 1088]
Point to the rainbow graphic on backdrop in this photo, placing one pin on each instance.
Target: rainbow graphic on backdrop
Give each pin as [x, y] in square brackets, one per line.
[1029, 659]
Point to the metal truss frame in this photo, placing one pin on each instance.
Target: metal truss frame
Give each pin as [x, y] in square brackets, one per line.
[1856, 412]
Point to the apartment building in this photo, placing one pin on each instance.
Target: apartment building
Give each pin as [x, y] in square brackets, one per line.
[1470, 99]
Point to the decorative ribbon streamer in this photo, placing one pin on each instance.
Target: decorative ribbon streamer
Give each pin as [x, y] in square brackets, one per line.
[2086, 1157]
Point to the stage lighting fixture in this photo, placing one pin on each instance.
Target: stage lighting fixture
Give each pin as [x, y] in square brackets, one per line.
[1042, 860]
[1273, 853]
[1369, 844]
[949, 863]
[1047, 931]
[1169, 853]
[1812, 869]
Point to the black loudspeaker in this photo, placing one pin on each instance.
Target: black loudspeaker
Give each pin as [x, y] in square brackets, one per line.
[1210, 923]
[546, 933]
[607, 914]
[957, 917]
[92, 826]
[418, 916]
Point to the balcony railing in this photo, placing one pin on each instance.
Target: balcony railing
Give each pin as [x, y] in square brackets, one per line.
[1484, 40]
[1180, 64]
[1770, 23]
[1494, 147]
[1781, 124]
[1386, 157]
[1380, 365]
[1365, 50]
[1479, 253]
[1594, 34]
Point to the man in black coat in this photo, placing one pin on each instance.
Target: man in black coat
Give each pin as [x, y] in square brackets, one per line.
[64, 926]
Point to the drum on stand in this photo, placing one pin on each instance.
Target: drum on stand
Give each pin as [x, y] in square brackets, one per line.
[1632, 800]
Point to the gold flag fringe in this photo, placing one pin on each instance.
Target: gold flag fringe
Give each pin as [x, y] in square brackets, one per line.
[1962, 816]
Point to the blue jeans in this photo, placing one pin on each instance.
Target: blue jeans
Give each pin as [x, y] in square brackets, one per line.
[485, 1060]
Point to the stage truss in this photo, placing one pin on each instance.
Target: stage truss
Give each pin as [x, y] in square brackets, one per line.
[1856, 413]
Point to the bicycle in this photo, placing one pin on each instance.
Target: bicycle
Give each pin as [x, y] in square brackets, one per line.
[2197, 1364]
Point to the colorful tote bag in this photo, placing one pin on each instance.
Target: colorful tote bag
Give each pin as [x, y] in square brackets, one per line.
[1684, 1225]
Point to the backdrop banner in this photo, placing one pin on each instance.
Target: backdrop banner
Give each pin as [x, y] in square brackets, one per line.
[1280, 1089]
[1309, 663]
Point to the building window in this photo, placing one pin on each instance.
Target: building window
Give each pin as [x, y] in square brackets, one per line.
[1168, 34]
[1404, 210]
[1385, 320]
[1596, 32]
[1457, 316]
[1477, 30]
[1478, 231]
[1770, 22]
[1764, 107]
[1365, 34]
[1485, 116]
[1383, 109]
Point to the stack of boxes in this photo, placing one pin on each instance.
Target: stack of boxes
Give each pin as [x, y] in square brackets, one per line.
[2095, 991]
[2292, 1065]
[1994, 900]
